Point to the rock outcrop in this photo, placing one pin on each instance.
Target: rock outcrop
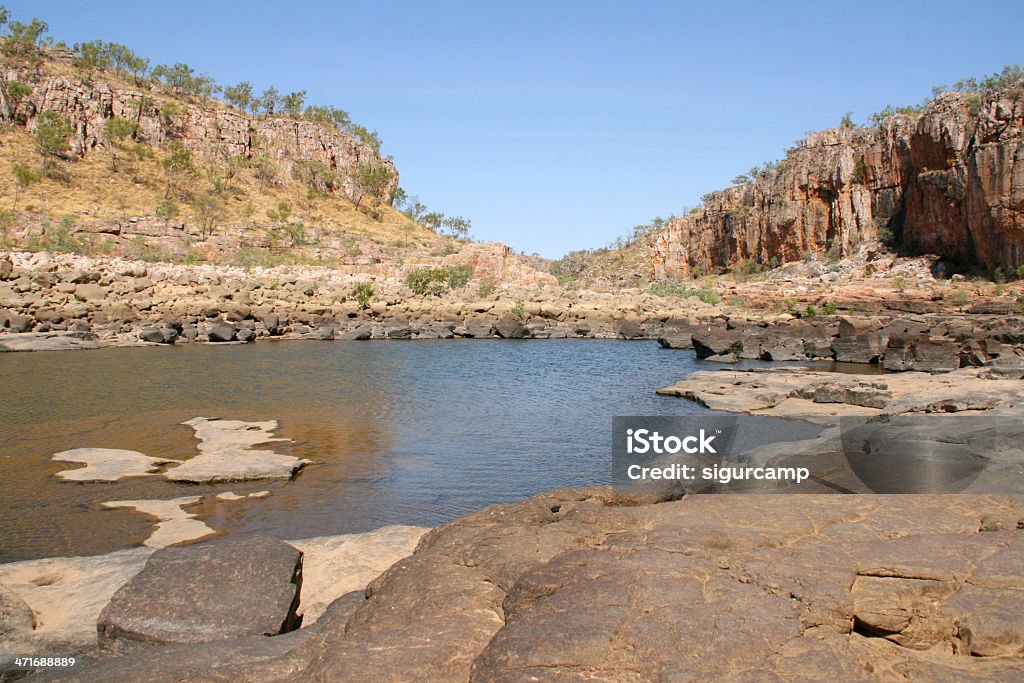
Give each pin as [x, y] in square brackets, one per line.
[577, 585]
[213, 132]
[950, 183]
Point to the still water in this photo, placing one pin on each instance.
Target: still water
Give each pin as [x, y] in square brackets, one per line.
[401, 432]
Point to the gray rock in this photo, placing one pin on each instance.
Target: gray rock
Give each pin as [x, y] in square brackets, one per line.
[629, 329]
[16, 618]
[221, 332]
[717, 344]
[861, 348]
[19, 323]
[325, 333]
[360, 333]
[511, 327]
[399, 332]
[6, 269]
[153, 335]
[778, 348]
[245, 334]
[682, 341]
[205, 592]
[272, 323]
[921, 353]
[90, 292]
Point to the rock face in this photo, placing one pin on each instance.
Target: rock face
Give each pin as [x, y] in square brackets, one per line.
[210, 591]
[576, 585]
[949, 183]
[216, 134]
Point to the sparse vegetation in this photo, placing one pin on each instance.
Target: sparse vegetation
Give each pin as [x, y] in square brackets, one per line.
[364, 293]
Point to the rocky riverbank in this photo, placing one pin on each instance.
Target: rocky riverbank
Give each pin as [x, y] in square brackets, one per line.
[586, 585]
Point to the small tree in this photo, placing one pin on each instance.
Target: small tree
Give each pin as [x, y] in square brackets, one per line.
[270, 101]
[209, 212]
[24, 177]
[364, 292]
[178, 162]
[457, 226]
[239, 96]
[16, 94]
[23, 41]
[52, 135]
[292, 103]
[117, 130]
[847, 121]
[371, 178]
[167, 209]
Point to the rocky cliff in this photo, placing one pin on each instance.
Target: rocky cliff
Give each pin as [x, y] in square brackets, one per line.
[212, 131]
[948, 182]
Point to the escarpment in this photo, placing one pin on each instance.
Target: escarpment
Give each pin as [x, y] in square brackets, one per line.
[949, 182]
[211, 131]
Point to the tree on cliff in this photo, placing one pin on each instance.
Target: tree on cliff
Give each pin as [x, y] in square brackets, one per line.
[23, 41]
[457, 226]
[292, 103]
[240, 96]
[371, 178]
[177, 163]
[270, 101]
[52, 133]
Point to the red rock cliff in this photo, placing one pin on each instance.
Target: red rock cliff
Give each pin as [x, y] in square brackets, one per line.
[950, 182]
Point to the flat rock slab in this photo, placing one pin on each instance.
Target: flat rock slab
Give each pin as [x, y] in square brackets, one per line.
[206, 592]
[46, 341]
[109, 464]
[227, 453]
[174, 523]
[335, 565]
[798, 392]
[66, 595]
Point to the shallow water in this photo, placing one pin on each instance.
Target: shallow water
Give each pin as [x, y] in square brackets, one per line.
[402, 432]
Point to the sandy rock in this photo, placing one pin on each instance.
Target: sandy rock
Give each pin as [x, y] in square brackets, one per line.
[109, 464]
[174, 524]
[226, 453]
[335, 565]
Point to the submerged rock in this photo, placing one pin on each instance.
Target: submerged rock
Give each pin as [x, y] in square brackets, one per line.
[174, 524]
[109, 464]
[226, 453]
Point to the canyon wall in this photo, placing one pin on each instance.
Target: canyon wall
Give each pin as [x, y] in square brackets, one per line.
[212, 131]
[949, 182]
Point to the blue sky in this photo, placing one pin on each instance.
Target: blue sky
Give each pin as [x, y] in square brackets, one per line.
[559, 125]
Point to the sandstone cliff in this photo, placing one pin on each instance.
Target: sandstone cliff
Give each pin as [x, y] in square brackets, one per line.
[213, 132]
[949, 182]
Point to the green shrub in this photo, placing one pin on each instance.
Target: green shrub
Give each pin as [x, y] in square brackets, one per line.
[790, 303]
[364, 292]
[486, 287]
[810, 311]
[427, 280]
[829, 308]
[458, 276]
[519, 309]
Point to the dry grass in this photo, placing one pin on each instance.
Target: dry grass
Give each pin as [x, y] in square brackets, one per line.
[97, 190]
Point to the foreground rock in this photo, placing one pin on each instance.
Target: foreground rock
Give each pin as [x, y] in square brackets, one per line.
[335, 565]
[52, 605]
[211, 591]
[575, 585]
[65, 596]
[226, 453]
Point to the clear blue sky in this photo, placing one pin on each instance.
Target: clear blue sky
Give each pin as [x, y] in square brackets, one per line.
[559, 125]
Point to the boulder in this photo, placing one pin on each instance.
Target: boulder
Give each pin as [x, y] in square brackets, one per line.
[359, 333]
[718, 344]
[629, 329]
[6, 269]
[205, 592]
[272, 323]
[859, 348]
[779, 348]
[221, 332]
[921, 353]
[90, 292]
[675, 342]
[510, 327]
[245, 334]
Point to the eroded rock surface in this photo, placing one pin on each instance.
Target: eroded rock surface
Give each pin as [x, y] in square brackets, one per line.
[579, 585]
